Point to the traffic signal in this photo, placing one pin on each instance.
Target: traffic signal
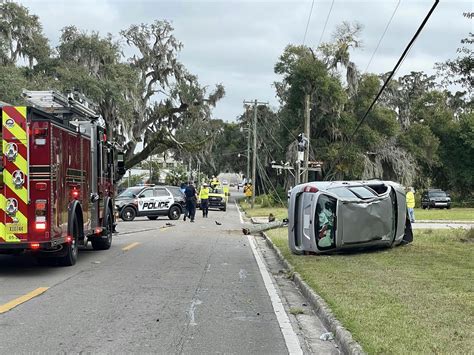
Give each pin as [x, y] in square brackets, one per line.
[302, 142]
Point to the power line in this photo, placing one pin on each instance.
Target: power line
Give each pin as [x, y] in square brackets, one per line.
[307, 24]
[383, 34]
[325, 24]
[400, 60]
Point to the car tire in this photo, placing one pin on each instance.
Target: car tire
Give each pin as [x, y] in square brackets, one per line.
[152, 218]
[174, 213]
[103, 244]
[128, 214]
[224, 208]
[72, 249]
[449, 207]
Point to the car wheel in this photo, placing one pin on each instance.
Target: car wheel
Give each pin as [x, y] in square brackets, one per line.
[152, 218]
[449, 207]
[174, 213]
[128, 214]
[103, 244]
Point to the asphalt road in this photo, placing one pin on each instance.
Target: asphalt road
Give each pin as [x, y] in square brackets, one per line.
[188, 288]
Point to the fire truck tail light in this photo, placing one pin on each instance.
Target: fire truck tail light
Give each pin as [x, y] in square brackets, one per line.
[34, 245]
[40, 226]
[75, 192]
[40, 215]
[98, 231]
[68, 239]
[41, 186]
[40, 135]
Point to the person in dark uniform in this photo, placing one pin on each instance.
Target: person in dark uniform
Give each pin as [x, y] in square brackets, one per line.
[191, 201]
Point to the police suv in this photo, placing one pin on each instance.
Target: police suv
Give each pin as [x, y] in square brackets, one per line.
[150, 201]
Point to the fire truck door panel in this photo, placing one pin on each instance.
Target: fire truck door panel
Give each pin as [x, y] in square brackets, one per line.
[14, 197]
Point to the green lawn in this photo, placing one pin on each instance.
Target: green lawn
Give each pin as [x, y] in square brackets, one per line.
[257, 211]
[415, 299]
[456, 214]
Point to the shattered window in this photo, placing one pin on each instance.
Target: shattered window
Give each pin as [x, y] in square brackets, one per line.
[343, 192]
[325, 222]
[363, 192]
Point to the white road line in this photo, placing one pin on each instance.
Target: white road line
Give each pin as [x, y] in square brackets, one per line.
[291, 339]
[240, 213]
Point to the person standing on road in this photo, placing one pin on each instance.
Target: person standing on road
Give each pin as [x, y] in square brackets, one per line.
[204, 197]
[410, 196]
[248, 191]
[191, 201]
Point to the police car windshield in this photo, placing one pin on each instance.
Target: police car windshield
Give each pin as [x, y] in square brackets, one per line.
[131, 191]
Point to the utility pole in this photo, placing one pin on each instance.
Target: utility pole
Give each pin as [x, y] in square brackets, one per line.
[307, 113]
[254, 157]
[248, 143]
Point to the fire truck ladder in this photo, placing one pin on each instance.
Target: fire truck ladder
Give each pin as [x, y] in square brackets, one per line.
[67, 106]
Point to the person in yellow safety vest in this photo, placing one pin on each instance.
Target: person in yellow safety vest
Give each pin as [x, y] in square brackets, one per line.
[248, 191]
[214, 182]
[204, 197]
[410, 196]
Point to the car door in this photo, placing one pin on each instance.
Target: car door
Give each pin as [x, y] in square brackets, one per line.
[146, 202]
[164, 199]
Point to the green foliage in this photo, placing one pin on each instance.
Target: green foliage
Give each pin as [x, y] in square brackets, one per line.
[176, 176]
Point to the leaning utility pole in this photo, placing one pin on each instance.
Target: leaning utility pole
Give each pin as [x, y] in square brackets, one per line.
[307, 129]
[248, 144]
[254, 157]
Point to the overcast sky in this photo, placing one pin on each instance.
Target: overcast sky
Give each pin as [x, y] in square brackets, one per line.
[237, 43]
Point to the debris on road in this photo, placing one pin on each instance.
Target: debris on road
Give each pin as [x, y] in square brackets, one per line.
[218, 223]
[263, 227]
[326, 336]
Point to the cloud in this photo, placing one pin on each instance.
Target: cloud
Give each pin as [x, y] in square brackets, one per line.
[237, 43]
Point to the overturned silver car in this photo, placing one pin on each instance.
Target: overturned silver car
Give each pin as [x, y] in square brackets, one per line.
[327, 216]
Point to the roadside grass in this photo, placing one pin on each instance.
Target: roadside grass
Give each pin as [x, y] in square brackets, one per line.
[454, 214]
[279, 212]
[416, 299]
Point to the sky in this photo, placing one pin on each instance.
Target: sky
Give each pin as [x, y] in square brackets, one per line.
[237, 43]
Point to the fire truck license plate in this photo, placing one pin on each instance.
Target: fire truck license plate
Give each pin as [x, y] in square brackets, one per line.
[16, 228]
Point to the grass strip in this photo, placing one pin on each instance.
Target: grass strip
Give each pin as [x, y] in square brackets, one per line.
[417, 298]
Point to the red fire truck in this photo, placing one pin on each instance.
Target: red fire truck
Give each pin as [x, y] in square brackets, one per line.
[57, 179]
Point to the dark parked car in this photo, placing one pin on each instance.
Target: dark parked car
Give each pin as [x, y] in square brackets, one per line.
[330, 216]
[150, 201]
[435, 198]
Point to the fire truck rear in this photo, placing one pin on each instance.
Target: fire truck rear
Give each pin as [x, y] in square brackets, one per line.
[57, 179]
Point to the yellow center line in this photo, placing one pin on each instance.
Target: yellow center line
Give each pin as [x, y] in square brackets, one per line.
[17, 301]
[128, 247]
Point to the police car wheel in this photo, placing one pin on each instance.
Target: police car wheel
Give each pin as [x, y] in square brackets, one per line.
[174, 213]
[128, 214]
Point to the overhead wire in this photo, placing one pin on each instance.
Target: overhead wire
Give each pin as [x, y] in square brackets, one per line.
[325, 23]
[383, 35]
[307, 23]
[395, 69]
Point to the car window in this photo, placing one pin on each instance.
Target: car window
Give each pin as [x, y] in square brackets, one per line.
[175, 191]
[343, 192]
[325, 217]
[130, 192]
[217, 191]
[438, 194]
[161, 192]
[146, 193]
[363, 192]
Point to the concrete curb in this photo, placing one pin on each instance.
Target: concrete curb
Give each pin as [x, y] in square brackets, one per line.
[342, 336]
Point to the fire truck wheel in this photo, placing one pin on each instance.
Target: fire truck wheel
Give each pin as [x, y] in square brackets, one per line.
[174, 213]
[128, 214]
[72, 249]
[104, 244]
